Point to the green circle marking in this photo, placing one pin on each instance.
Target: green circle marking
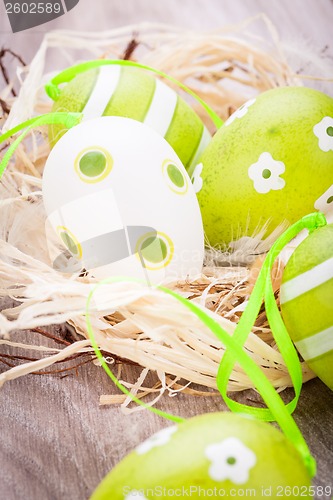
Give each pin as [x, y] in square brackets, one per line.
[266, 173]
[231, 460]
[69, 243]
[175, 175]
[154, 250]
[329, 131]
[92, 164]
[330, 200]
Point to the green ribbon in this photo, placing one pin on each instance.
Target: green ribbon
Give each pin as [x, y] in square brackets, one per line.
[99, 355]
[70, 119]
[67, 119]
[276, 409]
[53, 90]
[263, 290]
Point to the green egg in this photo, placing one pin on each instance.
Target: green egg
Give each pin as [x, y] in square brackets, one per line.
[113, 90]
[270, 163]
[307, 301]
[218, 452]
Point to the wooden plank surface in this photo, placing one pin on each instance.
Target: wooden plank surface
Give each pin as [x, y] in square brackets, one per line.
[56, 442]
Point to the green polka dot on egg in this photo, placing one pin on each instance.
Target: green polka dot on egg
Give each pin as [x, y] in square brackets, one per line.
[70, 241]
[92, 164]
[155, 250]
[175, 175]
[176, 178]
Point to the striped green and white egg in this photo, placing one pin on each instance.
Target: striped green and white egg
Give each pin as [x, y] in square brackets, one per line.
[307, 301]
[133, 93]
[210, 456]
[122, 202]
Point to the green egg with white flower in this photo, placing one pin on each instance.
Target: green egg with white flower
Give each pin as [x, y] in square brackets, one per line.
[269, 164]
[114, 90]
[218, 452]
[307, 301]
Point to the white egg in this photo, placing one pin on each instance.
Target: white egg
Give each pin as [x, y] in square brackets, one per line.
[122, 202]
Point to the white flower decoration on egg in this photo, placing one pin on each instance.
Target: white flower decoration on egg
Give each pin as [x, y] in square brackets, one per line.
[324, 131]
[196, 178]
[265, 174]
[231, 459]
[159, 439]
[325, 202]
[240, 112]
[135, 495]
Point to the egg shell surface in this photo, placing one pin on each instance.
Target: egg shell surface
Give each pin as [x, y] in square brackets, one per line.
[108, 184]
[219, 450]
[113, 90]
[307, 301]
[270, 163]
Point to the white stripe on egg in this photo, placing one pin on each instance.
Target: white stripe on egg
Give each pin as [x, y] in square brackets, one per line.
[316, 345]
[307, 281]
[105, 86]
[161, 109]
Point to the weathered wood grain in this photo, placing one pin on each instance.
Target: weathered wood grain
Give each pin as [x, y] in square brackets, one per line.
[56, 442]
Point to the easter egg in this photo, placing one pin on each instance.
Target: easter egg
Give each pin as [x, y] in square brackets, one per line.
[122, 202]
[307, 301]
[270, 164]
[218, 452]
[133, 93]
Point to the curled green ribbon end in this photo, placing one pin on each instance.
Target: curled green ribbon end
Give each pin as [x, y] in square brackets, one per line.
[276, 409]
[263, 291]
[100, 357]
[67, 119]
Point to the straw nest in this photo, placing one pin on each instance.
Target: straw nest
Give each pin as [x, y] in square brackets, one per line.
[132, 322]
